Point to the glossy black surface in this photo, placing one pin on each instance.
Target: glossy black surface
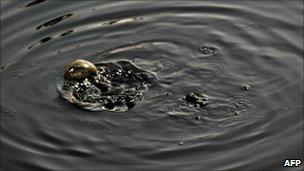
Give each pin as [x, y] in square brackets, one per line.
[114, 86]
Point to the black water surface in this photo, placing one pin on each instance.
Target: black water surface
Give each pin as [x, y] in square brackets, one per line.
[245, 56]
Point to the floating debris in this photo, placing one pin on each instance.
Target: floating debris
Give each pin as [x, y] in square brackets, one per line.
[196, 99]
[247, 87]
[113, 86]
[207, 50]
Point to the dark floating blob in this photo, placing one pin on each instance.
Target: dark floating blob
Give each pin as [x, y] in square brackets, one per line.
[247, 87]
[113, 86]
[207, 50]
[198, 118]
[46, 39]
[67, 33]
[42, 41]
[197, 99]
[33, 3]
[54, 21]
[112, 22]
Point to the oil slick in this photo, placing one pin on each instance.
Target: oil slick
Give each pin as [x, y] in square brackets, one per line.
[113, 86]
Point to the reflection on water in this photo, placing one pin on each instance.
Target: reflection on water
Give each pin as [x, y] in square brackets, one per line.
[33, 3]
[54, 21]
[228, 96]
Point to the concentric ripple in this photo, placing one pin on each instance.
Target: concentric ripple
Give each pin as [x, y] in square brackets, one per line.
[239, 63]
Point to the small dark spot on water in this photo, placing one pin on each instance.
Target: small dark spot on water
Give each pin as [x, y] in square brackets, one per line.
[10, 112]
[3, 67]
[247, 87]
[197, 99]
[17, 75]
[167, 82]
[33, 3]
[82, 121]
[198, 117]
[207, 49]
[54, 21]
[46, 39]
[7, 114]
[168, 94]
[67, 33]
[112, 22]
[180, 143]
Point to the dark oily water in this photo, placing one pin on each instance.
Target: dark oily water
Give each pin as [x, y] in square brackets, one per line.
[114, 86]
[228, 93]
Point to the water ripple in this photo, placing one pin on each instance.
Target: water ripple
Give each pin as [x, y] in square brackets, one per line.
[247, 58]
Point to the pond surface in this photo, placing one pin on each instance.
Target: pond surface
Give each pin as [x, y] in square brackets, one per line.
[229, 93]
